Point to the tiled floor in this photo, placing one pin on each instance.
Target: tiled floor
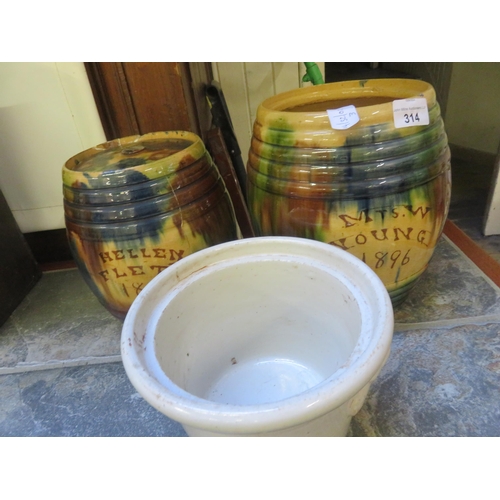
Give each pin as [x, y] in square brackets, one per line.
[61, 374]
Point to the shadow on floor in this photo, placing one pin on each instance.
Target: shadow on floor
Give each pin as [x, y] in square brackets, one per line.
[471, 184]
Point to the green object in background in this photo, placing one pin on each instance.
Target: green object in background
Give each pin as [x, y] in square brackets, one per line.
[313, 74]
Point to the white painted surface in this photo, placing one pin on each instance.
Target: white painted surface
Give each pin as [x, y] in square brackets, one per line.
[47, 115]
[246, 84]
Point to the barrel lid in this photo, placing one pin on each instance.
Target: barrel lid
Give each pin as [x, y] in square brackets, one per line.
[134, 159]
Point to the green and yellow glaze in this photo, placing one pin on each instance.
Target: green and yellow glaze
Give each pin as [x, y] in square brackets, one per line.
[379, 192]
[135, 206]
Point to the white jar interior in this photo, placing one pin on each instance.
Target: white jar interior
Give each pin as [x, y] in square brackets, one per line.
[251, 331]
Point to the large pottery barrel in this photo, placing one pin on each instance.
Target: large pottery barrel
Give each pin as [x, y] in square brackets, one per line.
[362, 165]
[134, 206]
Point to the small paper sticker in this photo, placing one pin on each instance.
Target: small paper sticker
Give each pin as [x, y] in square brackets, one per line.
[410, 112]
[343, 118]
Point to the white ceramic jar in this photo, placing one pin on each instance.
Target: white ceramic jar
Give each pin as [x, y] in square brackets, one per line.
[275, 336]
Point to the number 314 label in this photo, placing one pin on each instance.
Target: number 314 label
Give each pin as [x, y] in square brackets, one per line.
[410, 112]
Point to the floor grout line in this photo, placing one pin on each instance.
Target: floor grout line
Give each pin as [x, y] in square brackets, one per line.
[447, 324]
[55, 364]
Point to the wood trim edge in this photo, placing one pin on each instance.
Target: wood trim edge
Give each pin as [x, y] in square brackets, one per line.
[477, 255]
[113, 99]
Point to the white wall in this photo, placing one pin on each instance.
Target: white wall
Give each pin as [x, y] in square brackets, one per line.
[47, 115]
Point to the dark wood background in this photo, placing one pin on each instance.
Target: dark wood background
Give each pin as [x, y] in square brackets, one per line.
[137, 98]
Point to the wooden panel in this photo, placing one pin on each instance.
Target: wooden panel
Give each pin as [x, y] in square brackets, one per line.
[112, 96]
[200, 75]
[137, 97]
[158, 97]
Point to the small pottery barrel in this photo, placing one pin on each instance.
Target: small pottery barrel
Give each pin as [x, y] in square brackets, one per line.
[134, 206]
[377, 185]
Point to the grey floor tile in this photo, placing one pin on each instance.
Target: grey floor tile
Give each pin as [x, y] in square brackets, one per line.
[80, 401]
[437, 383]
[59, 320]
[452, 288]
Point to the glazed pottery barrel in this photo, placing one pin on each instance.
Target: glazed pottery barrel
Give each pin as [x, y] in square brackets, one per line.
[361, 165]
[134, 206]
